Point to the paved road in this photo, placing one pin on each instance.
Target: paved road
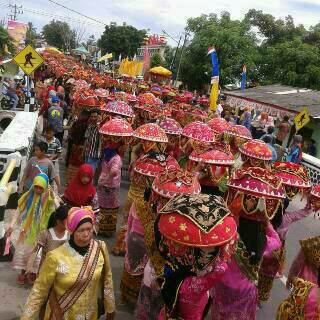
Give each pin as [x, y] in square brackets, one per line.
[13, 297]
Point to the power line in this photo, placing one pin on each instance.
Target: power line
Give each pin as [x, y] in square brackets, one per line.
[48, 14]
[167, 34]
[81, 14]
[15, 10]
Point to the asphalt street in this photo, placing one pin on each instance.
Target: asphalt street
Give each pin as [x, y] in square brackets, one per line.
[13, 296]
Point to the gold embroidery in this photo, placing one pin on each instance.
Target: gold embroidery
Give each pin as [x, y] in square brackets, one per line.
[172, 219]
[183, 227]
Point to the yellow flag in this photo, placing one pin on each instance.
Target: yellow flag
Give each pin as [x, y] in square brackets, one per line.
[214, 93]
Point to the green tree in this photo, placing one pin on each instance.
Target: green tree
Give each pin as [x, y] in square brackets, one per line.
[275, 30]
[156, 60]
[124, 40]
[234, 42]
[91, 41]
[5, 42]
[289, 54]
[31, 35]
[60, 35]
[292, 63]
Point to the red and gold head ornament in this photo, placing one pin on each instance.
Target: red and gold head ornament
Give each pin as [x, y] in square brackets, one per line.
[293, 176]
[218, 160]
[151, 132]
[152, 164]
[255, 193]
[255, 153]
[200, 221]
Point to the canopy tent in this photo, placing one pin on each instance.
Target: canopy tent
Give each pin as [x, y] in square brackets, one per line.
[48, 49]
[105, 57]
[161, 71]
[81, 50]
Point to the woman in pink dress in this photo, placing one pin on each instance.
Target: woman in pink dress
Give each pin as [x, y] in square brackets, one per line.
[145, 169]
[306, 265]
[195, 235]
[254, 196]
[109, 190]
[170, 183]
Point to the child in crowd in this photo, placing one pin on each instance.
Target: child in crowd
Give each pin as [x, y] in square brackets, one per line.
[54, 148]
[37, 164]
[56, 233]
[32, 216]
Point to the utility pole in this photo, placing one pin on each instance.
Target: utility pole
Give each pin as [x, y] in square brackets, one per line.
[15, 10]
[182, 51]
[175, 54]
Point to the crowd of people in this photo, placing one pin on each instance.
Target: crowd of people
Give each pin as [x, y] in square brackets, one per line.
[204, 224]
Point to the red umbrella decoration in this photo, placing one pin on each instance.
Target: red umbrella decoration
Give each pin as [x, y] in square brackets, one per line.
[151, 132]
[81, 84]
[117, 127]
[219, 126]
[170, 126]
[218, 162]
[119, 107]
[255, 153]
[200, 134]
[255, 193]
[237, 136]
[102, 93]
[198, 131]
[115, 132]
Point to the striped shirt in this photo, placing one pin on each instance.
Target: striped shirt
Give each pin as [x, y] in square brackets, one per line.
[92, 142]
[54, 146]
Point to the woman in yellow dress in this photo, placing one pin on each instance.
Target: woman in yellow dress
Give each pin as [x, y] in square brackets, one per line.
[72, 276]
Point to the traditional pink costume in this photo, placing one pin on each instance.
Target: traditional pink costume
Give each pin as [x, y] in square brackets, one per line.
[254, 194]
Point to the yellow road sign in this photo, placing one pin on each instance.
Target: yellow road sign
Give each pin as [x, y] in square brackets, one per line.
[28, 59]
[301, 119]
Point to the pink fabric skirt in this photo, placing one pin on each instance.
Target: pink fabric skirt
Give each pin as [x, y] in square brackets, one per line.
[234, 296]
[25, 259]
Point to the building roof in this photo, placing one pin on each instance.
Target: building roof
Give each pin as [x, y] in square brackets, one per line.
[81, 49]
[290, 98]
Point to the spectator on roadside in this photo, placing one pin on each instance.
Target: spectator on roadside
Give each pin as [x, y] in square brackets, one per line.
[270, 131]
[55, 118]
[283, 130]
[245, 119]
[9, 89]
[312, 149]
[295, 153]
[268, 140]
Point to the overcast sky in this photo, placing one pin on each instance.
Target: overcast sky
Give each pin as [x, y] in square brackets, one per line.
[170, 15]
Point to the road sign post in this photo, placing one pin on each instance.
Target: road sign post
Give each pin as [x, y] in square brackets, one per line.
[28, 60]
[302, 119]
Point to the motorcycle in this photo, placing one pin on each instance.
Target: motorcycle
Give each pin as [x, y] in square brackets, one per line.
[6, 103]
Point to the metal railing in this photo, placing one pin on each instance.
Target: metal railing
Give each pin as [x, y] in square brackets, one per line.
[8, 186]
[312, 165]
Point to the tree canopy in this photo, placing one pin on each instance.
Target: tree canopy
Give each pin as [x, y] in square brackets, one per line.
[124, 40]
[60, 35]
[274, 50]
[156, 60]
[6, 42]
[233, 40]
[31, 34]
